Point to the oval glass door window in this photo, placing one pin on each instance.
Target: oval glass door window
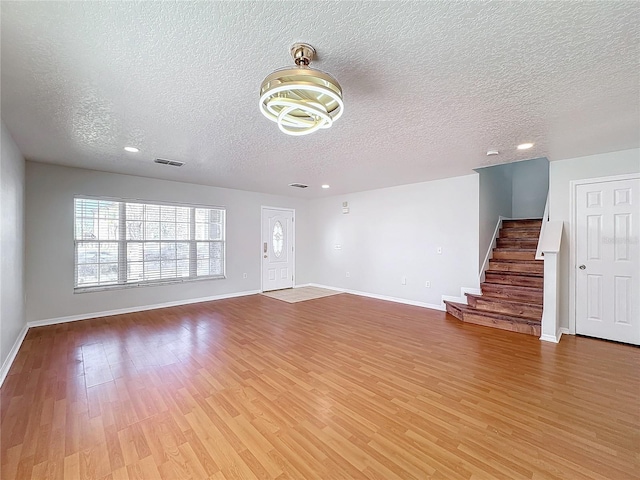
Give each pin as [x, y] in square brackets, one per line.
[277, 241]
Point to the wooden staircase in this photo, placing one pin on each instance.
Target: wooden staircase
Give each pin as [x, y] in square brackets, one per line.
[512, 291]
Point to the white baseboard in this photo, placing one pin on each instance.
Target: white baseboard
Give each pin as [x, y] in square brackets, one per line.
[462, 298]
[549, 338]
[381, 297]
[556, 338]
[12, 354]
[142, 308]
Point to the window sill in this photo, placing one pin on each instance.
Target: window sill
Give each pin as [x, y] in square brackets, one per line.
[121, 286]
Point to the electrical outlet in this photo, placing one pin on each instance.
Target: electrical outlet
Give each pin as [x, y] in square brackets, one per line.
[348, 275]
[404, 280]
[427, 284]
[244, 275]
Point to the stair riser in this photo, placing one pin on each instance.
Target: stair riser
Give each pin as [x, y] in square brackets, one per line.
[519, 233]
[515, 243]
[519, 280]
[512, 293]
[451, 310]
[521, 223]
[514, 255]
[517, 267]
[530, 311]
[502, 324]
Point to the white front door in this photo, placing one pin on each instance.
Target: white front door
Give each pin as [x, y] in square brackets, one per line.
[608, 260]
[277, 249]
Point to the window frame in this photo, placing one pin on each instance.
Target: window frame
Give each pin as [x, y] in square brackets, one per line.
[122, 243]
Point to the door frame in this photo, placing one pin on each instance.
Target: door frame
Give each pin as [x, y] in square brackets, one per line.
[293, 241]
[573, 237]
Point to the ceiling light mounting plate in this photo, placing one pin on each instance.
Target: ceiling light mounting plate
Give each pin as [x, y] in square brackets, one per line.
[302, 53]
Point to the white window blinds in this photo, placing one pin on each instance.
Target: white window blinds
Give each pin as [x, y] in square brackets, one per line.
[121, 243]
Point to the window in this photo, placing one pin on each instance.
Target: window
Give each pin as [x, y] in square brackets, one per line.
[277, 240]
[130, 243]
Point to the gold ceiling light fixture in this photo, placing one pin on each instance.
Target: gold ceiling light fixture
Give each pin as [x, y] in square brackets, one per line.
[301, 99]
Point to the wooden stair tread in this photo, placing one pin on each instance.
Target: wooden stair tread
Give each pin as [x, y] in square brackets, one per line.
[508, 260]
[506, 300]
[517, 242]
[532, 290]
[508, 279]
[500, 316]
[513, 292]
[522, 221]
[520, 266]
[513, 287]
[514, 249]
[522, 227]
[530, 233]
[505, 306]
[514, 265]
[519, 274]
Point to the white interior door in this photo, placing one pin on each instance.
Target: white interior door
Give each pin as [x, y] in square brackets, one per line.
[277, 249]
[608, 260]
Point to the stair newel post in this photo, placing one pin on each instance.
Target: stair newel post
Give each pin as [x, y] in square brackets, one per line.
[550, 298]
[550, 328]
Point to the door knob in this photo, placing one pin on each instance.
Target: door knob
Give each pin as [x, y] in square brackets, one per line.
[582, 267]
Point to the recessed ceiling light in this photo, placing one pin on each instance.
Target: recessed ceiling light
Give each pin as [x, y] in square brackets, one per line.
[525, 146]
[492, 152]
[131, 149]
[326, 186]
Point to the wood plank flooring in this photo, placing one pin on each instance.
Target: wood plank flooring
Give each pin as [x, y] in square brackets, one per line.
[340, 387]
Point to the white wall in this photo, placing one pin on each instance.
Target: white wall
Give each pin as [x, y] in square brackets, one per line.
[50, 252]
[561, 173]
[395, 232]
[530, 184]
[495, 194]
[512, 190]
[389, 234]
[12, 180]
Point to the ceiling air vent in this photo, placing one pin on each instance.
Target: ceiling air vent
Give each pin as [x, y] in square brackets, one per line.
[161, 161]
[298, 185]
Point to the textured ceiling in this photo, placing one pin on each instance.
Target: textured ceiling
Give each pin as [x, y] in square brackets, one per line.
[428, 87]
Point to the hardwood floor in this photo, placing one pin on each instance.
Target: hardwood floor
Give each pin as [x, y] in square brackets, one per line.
[335, 388]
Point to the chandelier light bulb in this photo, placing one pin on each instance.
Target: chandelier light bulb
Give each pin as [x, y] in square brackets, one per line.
[300, 99]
